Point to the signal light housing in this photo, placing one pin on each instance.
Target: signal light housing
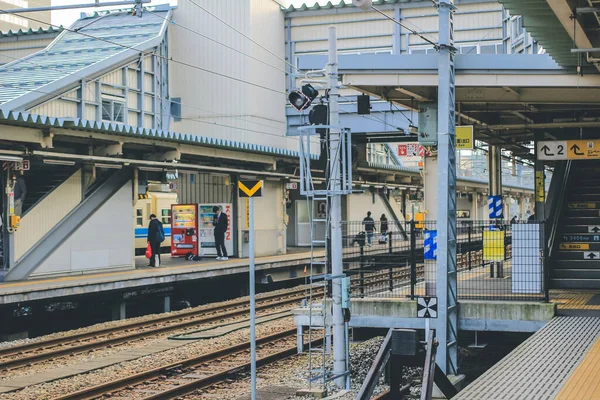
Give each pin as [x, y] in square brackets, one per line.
[301, 99]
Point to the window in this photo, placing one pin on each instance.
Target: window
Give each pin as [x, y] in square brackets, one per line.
[139, 217]
[165, 216]
[516, 29]
[113, 111]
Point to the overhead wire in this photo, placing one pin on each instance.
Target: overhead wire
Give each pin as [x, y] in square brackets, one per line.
[243, 34]
[158, 96]
[157, 55]
[217, 42]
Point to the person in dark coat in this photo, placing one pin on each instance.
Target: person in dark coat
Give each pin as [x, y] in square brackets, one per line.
[383, 227]
[220, 223]
[154, 238]
[369, 225]
[20, 190]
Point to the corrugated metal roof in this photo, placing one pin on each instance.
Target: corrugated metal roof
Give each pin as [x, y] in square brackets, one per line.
[343, 4]
[543, 25]
[30, 31]
[40, 121]
[73, 55]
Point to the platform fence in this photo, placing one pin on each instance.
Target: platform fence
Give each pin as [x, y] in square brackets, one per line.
[495, 260]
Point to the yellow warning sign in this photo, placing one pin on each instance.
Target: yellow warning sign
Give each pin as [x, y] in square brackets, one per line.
[250, 188]
[574, 246]
[464, 137]
[493, 246]
[540, 189]
[582, 205]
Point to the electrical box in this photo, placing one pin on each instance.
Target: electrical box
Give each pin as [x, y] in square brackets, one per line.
[428, 127]
[346, 292]
[15, 222]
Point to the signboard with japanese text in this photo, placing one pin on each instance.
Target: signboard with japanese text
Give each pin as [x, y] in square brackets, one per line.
[464, 138]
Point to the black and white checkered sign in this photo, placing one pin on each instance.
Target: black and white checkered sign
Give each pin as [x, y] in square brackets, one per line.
[427, 307]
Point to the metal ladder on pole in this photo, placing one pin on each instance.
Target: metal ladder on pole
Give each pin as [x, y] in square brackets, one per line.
[319, 204]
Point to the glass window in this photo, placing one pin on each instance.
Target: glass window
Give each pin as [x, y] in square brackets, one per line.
[516, 25]
[488, 49]
[139, 217]
[113, 111]
[106, 110]
[165, 216]
[118, 109]
[468, 50]
[418, 51]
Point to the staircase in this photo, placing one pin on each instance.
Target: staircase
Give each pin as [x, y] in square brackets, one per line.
[576, 256]
[42, 179]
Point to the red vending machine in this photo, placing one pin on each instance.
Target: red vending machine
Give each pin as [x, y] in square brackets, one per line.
[184, 229]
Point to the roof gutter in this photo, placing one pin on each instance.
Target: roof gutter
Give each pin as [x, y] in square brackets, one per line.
[157, 164]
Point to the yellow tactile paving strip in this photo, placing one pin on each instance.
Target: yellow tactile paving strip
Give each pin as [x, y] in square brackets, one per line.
[573, 299]
[584, 383]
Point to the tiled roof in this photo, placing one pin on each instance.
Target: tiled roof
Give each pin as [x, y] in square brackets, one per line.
[39, 121]
[30, 31]
[342, 4]
[74, 55]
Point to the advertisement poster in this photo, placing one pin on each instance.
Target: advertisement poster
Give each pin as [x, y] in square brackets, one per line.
[206, 229]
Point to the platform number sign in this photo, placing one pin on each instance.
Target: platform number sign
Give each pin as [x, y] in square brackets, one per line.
[427, 307]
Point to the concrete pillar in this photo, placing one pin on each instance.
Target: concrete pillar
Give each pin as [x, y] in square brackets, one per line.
[539, 187]
[299, 339]
[167, 304]
[495, 170]
[522, 207]
[430, 183]
[474, 207]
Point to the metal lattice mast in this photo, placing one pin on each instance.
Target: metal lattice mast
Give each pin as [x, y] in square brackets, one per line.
[446, 260]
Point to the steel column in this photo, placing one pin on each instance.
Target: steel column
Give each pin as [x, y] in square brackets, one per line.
[252, 303]
[446, 206]
[337, 268]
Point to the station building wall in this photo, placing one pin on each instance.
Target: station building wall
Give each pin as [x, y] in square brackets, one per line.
[104, 241]
[251, 106]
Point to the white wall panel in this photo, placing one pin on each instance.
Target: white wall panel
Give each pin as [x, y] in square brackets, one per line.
[110, 227]
[46, 214]
[230, 108]
[56, 108]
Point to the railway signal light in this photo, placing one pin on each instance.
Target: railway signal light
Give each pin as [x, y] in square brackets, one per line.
[300, 99]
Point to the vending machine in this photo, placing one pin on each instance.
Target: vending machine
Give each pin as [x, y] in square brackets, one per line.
[184, 229]
[206, 228]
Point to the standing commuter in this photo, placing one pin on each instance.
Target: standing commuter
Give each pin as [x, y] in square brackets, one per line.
[20, 190]
[369, 228]
[220, 224]
[156, 235]
[383, 228]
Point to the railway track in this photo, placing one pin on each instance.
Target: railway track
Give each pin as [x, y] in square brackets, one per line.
[193, 374]
[26, 355]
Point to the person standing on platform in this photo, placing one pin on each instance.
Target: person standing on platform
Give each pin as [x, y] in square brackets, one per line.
[369, 225]
[383, 227]
[220, 223]
[156, 235]
[20, 190]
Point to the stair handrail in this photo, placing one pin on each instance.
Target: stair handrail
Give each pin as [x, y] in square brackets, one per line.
[556, 197]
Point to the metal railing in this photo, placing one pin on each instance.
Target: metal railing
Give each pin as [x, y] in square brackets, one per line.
[489, 266]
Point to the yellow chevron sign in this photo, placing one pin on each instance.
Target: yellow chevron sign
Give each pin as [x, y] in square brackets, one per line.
[574, 246]
[250, 188]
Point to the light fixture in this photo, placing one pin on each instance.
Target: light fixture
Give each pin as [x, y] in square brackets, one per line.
[248, 177]
[59, 162]
[10, 158]
[301, 99]
[108, 166]
[153, 169]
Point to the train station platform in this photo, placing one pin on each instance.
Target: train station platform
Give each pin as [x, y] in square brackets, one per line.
[172, 270]
[561, 361]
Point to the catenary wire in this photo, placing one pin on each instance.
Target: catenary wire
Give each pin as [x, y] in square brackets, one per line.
[157, 55]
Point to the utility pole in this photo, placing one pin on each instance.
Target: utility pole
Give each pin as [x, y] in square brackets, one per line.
[337, 266]
[447, 329]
